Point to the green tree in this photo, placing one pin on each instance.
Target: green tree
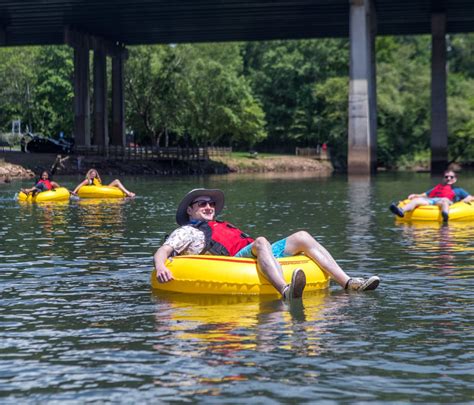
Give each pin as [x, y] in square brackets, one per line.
[54, 93]
[17, 86]
[155, 92]
[220, 107]
[403, 98]
[333, 95]
[461, 118]
[36, 87]
[461, 54]
[283, 76]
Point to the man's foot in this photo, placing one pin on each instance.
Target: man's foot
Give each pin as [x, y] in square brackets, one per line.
[445, 216]
[362, 284]
[295, 289]
[397, 211]
[131, 195]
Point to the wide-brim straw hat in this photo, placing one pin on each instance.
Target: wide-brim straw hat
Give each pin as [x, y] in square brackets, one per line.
[182, 217]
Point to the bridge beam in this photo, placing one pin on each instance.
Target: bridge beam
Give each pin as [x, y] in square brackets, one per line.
[362, 137]
[102, 48]
[101, 129]
[82, 125]
[75, 38]
[3, 36]
[439, 114]
[118, 100]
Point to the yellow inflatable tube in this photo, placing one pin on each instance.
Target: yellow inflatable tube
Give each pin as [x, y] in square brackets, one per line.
[58, 194]
[100, 192]
[206, 274]
[459, 211]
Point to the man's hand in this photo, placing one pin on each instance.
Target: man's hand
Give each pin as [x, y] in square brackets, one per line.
[468, 199]
[163, 275]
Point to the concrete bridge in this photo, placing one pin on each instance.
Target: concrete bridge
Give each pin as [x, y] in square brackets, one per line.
[107, 26]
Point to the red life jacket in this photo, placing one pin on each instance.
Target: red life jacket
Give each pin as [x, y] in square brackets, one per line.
[442, 191]
[47, 183]
[223, 238]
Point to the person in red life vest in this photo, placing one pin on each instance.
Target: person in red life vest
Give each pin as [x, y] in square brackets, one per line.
[442, 195]
[44, 184]
[93, 179]
[201, 233]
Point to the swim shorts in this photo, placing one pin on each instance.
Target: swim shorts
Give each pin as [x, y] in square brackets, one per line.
[278, 250]
[433, 201]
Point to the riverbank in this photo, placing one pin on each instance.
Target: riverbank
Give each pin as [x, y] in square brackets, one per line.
[275, 163]
[10, 172]
[17, 165]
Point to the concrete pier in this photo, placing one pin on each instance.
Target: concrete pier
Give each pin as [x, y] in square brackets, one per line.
[362, 139]
[118, 102]
[82, 44]
[82, 125]
[439, 114]
[101, 132]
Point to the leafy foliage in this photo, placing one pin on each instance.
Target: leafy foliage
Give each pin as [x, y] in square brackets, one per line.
[194, 92]
[268, 95]
[283, 75]
[220, 104]
[155, 93]
[403, 97]
[54, 91]
[17, 85]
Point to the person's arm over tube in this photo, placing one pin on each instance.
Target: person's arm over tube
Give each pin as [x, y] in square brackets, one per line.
[163, 274]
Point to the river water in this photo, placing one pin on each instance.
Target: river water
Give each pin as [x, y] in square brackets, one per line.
[79, 323]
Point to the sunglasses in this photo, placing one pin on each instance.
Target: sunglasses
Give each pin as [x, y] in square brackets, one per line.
[202, 204]
[449, 177]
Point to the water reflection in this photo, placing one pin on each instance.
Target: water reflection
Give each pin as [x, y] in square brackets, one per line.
[359, 232]
[232, 177]
[45, 226]
[98, 231]
[442, 244]
[228, 325]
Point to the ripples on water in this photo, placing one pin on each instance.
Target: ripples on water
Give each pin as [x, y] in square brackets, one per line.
[79, 323]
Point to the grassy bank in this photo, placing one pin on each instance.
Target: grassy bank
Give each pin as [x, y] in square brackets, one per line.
[244, 162]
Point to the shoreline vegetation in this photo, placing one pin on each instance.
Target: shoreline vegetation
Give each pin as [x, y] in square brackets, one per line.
[270, 96]
[17, 166]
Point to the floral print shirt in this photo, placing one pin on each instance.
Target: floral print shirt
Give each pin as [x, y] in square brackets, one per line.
[187, 240]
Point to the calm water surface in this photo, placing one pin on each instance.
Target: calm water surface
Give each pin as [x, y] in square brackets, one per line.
[79, 323]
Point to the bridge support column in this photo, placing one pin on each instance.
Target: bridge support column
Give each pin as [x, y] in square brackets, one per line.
[362, 137]
[82, 43]
[439, 114]
[101, 131]
[118, 101]
[82, 125]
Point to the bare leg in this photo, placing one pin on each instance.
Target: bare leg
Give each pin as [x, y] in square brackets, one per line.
[117, 183]
[444, 203]
[303, 242]
[267, 263]
[27, 190]
[416, 202]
